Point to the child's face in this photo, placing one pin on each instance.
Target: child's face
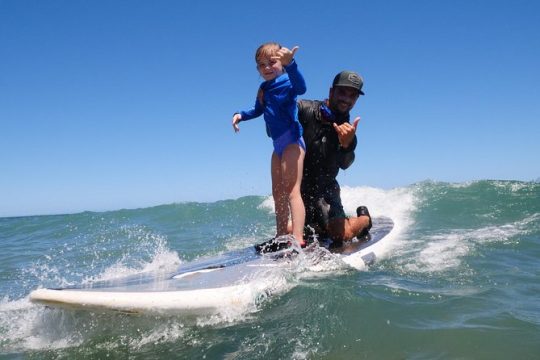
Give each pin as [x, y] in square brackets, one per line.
[269, 68]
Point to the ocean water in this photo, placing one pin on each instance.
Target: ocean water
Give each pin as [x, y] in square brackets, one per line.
[459, 279]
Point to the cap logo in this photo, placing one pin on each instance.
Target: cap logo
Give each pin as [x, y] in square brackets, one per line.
[353, 78]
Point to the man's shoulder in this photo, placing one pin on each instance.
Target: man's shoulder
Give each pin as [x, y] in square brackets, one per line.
[309, 106]
[308, 111]
[309, 103]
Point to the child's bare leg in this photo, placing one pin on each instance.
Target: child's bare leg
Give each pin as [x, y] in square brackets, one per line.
[281, 202]
[292, 164]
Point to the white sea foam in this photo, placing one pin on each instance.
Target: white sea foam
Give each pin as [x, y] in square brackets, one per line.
[399, 204]
[268, 282]
[512, 186]
[440, 253]
[165, 261]
[28, 326]
[268, 204]
[395, 203]
[241, 242]
[164, 332]
[443, 251]
[257, 289]
[31, 327]
[152, 255]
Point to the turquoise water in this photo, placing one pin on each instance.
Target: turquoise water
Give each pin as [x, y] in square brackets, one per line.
[459, 279]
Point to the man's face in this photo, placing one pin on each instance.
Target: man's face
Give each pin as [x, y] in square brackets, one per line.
[342, 99]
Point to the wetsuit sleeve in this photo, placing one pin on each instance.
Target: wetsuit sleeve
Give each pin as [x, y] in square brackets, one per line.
[256, 111]
[345, 157]
[297, 80]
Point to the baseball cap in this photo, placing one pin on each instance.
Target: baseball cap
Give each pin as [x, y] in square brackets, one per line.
[349, 79]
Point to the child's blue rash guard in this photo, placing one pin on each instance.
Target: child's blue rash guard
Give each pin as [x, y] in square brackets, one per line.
[279, 108]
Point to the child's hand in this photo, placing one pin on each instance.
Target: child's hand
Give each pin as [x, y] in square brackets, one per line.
[235, 120]
[285, 56]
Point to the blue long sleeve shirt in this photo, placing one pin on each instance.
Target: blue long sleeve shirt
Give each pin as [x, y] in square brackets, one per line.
[279, 102]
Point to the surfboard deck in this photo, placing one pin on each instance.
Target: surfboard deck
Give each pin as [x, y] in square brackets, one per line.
[202, 286]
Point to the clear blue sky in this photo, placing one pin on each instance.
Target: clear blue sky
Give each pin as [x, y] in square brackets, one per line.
[122, 104]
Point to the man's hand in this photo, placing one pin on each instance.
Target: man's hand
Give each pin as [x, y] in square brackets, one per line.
[285, 56]
[346, 132]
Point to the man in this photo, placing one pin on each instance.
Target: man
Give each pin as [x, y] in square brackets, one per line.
[330, 143]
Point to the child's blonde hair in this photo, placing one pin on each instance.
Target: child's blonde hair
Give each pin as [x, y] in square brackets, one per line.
[267, 50]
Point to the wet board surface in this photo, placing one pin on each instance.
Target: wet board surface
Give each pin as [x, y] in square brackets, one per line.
[201, 286]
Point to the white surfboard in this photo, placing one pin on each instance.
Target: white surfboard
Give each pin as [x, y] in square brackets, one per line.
[204, 286]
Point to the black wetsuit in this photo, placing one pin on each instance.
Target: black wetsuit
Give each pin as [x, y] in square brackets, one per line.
[324, 157]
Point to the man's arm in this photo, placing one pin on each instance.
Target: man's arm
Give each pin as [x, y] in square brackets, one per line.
[345, 156]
